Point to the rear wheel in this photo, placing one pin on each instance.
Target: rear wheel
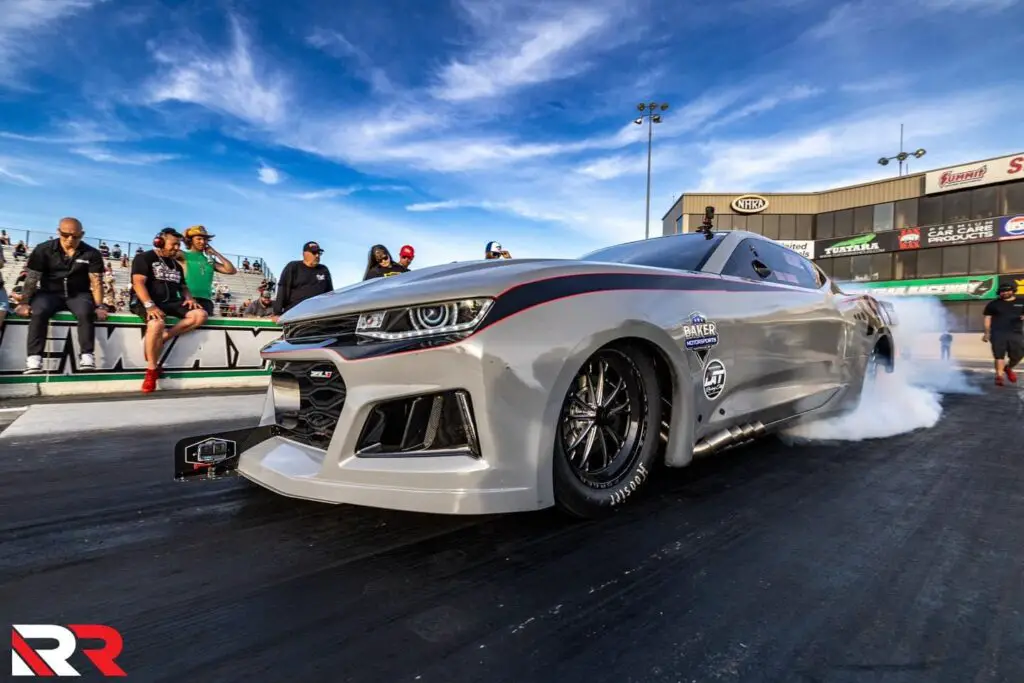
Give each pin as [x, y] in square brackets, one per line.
[607, 434]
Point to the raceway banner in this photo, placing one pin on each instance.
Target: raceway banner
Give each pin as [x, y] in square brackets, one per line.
[1011, 227]
[872, 243]
[964, 288]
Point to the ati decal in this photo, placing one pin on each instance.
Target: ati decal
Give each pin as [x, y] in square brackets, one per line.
[714, 379]
[910, 238]
[701, 335]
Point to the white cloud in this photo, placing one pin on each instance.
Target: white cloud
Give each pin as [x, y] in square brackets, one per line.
[363, 66]
[130, 159]
[334, 192]
[6, 174]
[21, 21]
[269, 175]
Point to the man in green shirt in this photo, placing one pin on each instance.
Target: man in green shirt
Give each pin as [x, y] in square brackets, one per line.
[200, 269]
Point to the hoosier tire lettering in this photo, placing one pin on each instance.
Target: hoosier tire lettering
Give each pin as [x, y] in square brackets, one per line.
[619, 497]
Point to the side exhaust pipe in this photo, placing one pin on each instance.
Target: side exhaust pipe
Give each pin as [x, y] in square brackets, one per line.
[733, 436]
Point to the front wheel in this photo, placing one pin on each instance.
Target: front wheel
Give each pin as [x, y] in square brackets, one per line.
[607, 434]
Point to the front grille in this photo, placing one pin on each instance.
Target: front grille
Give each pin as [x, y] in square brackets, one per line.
[321, 396]
[342, 328]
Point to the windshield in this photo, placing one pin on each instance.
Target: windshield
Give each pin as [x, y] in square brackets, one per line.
[688, 251]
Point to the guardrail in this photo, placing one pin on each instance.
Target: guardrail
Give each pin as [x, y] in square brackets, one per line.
[34, 237]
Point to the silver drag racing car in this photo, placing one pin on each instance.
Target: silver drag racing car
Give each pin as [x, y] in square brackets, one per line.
[512, 385]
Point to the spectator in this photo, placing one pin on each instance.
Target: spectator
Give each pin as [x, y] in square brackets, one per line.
[5, 241]
[493, 251]
[245, 265]
[946, 343]
[124, 261]
[4, 300]
[1004, 327]
[20, 250]
[263, 307]
[109, 290]
[63, 274]
[104, 249]
[200, 262]
[159, 289]
[301, 280]
[116, 253]
[406, 255]
[379, 264]
[138, 251]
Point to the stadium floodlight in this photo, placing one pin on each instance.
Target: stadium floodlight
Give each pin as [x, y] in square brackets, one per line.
[902, 156]
[652, 118]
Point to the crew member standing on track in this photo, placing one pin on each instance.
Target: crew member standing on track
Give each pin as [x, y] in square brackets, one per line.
[380, 264]
[158, 291]
[1004, 327]
[201, 261]
[63, 274]
[301, 280]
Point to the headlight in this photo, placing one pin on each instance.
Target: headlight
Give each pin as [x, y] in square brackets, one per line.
[428, 320]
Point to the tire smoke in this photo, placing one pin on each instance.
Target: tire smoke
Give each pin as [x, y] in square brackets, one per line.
[902, 401]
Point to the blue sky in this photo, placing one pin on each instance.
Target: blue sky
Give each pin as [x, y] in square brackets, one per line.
[449, 123]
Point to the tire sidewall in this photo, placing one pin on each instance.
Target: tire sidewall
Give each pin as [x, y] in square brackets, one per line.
[583, 500]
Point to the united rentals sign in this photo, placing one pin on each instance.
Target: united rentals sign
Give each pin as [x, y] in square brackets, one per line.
[975, 175]
[803, 247]
[749, 203]
[966, 288]
[959, 233]
[222, 348]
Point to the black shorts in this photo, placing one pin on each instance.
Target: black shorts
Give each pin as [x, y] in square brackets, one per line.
[206, 304]
[1012, 346]
[175, 309]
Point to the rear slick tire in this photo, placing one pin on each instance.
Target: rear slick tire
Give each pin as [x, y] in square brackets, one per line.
[606, 439]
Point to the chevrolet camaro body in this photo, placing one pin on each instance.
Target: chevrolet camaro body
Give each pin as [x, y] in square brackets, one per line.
[512, 385]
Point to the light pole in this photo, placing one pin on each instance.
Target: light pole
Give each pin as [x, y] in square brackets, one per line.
[652, 118]
[902, 156]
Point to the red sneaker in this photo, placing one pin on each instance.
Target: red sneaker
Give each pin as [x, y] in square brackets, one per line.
[149, 384]
[1011, 375]
[999, 380]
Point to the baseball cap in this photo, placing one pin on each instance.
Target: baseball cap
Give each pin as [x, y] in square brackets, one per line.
[1006, 288]
[493, 248]
[171, 231]
[312, 247]
[407, 252]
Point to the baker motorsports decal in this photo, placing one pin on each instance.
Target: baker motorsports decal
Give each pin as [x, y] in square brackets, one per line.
[864, 244]
[982, 230]
[967, 288]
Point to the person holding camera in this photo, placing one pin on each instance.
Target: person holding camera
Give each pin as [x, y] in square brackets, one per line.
[200, 262]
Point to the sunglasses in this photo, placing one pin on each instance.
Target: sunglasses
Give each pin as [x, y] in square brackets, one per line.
[69, 235]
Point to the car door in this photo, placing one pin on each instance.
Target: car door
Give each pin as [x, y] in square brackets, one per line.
[790, 350]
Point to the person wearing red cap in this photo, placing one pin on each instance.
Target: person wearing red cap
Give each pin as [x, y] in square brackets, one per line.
[406, 255]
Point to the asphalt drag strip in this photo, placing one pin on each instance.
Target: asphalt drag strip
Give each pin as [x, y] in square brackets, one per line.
[890, 561]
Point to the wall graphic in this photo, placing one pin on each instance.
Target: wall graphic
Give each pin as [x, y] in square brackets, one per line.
[222, 345]
[963, 288]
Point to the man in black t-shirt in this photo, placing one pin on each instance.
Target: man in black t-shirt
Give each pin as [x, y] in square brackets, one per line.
[301, 280]
[1004, 327]
[158, 291]
[63, 274]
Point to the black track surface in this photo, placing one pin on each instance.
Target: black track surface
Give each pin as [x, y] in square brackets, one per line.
[886, 561]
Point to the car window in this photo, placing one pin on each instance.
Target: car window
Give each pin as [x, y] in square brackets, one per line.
[787, 267]
[688, 251]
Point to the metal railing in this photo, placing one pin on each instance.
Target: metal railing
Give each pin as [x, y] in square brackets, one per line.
[33, 237]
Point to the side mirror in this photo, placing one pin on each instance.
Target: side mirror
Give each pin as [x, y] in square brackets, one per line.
[762, 270]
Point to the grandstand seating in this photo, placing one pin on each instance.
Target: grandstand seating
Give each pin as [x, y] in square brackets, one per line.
[242, 286]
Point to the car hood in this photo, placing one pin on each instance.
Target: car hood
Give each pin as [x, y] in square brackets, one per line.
[461, 280]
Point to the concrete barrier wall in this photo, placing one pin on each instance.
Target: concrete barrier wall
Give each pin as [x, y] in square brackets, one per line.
[223, 353]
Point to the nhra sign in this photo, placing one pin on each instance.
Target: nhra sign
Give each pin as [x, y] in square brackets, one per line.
[221, 347]
[967, 288]
[965, 232]
[975, 175]
[872, 243]
[1011, 228]
[749, 203]
[803, 247]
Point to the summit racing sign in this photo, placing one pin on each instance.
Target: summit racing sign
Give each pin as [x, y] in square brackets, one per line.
[874, 243]
[982, 230]
[944, 288]
[975, 175]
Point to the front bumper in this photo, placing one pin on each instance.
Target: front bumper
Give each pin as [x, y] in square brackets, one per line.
[336, 430]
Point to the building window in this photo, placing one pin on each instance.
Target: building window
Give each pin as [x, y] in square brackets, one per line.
[1013, 198]
[975, 316]
[881, 266]
[844, 223]
[906, 214]
[956, 260]
[929, 263]
[956, 315]
[840, 268]
[723, 221]
[805, 227]
[679, 223]
[826, 266]
[771, 226]
[825, 226]
[929, 210]
[904, 265]
[739, 222]
[755, 224]
[984, 258]
[787, 227]
[956, 206]
[863, 219]
[1011, 256]
[883, 218]
[985, 202]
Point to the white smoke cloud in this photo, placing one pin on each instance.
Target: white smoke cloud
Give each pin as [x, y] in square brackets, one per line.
[902, 401]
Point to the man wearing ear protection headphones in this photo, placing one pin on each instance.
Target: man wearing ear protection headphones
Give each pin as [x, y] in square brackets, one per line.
[158, 291]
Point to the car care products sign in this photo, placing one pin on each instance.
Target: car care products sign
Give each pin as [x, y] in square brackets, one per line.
[959, 233]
